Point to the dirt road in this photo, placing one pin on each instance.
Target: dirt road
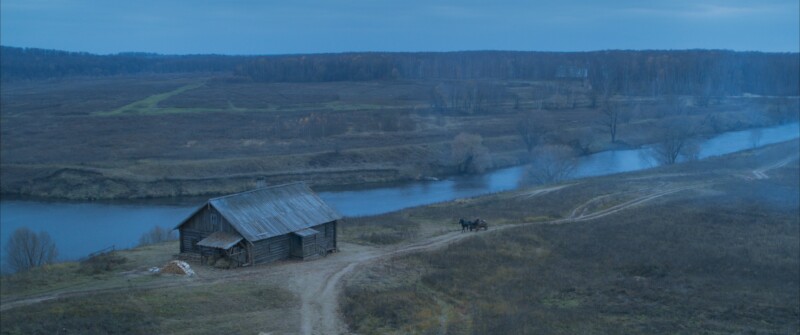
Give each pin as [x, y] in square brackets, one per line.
[318, 283]
[320, 287]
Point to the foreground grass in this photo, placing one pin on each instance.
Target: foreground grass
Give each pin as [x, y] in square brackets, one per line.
[717, 260]
[212, 309]
[102, 272]
[116, 295]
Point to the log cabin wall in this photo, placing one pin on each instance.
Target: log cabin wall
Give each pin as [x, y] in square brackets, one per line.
[200, 225]
[326, 239]
[271, 249]
[276, 222]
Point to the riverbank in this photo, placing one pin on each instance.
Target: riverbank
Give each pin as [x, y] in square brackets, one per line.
[81, 183]
[121, 222]
[596, 242]
[673, 248]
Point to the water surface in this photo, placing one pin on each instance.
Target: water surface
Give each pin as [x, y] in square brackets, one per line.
[81, 228]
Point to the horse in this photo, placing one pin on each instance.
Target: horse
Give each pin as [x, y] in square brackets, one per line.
[465, 224]
[473, 225]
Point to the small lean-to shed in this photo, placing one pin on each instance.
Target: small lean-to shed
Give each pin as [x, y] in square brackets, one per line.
[261, 226]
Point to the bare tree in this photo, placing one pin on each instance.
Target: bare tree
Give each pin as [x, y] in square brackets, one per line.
[602, 85]
[467, 97]
[582, 142]
[551, 163]
[469, 154]
[157, 235]
[676, 140]
[613, 116]
[26, 250]
[529, 130]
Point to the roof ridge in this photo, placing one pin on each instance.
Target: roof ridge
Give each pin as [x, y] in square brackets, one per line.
[258, 189]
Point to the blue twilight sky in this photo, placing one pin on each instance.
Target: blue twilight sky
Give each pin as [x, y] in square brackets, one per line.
[306, 26]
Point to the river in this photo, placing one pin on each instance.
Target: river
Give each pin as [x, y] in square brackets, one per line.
[81, 228]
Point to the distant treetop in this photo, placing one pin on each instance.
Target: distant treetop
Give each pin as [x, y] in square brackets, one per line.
[648, 72]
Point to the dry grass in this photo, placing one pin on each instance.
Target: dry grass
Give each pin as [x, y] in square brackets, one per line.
[722, 259]
[122, 300]
[162, 136]
[718, 259]
[103, 271]
[213, 309]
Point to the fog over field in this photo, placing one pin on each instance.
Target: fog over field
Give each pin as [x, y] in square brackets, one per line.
[376, 167]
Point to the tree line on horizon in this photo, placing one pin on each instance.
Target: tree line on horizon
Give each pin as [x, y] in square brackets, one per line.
[646, 73]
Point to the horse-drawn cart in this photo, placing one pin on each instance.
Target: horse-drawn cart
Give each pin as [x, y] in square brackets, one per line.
[473, 225]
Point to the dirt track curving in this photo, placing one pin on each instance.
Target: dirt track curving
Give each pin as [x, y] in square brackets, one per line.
[320, 291]
[318, 283]
[761, 173]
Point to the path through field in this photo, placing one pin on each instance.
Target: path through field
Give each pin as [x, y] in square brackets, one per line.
[761, 173]
[318, 283]
[320, 290]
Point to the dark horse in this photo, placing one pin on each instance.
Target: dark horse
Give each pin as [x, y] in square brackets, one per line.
[465, 224]
[473, 225]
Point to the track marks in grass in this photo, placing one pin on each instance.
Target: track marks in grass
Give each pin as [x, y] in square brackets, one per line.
[579, 213]
[149, 105]
[761, 173]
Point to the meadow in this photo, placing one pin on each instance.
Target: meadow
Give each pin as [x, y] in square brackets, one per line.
[142, 136]
[719, 258]
[702, 247]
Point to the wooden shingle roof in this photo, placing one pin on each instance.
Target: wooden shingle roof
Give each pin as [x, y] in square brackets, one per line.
[274, 211]
[222, 240]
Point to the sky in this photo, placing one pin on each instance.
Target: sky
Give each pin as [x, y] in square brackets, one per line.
[305, 26]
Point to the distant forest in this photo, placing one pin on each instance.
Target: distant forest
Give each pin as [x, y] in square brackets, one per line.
[653, 73]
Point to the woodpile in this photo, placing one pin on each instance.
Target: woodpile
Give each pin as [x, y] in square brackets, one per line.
[178, 267]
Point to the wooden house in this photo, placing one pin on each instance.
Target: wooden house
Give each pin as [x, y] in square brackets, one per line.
[261, 226]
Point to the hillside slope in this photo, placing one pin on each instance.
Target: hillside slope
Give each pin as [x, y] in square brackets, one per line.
[709, 246]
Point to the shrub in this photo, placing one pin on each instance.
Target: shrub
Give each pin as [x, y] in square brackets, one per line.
[102, 263]
[157, 235]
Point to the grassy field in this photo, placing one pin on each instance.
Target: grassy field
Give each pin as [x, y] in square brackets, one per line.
[718, 259]
[719, 255]
[150, 104]
[119, 297]
[162, 136]
[88, 275]
[213, 309]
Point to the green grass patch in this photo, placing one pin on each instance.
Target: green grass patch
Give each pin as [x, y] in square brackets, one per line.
[226, 308]
[149, 105]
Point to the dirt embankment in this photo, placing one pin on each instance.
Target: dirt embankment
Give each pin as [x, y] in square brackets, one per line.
[92, 184]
